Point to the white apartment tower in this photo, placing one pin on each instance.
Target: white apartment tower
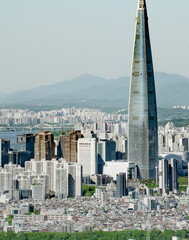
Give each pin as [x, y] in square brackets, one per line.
[74, 179]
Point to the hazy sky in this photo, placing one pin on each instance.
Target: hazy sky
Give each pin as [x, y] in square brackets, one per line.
[47, 41]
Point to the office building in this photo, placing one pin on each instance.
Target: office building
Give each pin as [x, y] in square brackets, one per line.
[19, 157]
[71, 145]
[121, 147]
[100, 179]
[121, 185]
[173, 175]
[168, 176]
[106, 150]
[44, 146]
[112, 168]
[142, 118]
[163, 175]
[4, 149]
[25, 142]
[87, 155]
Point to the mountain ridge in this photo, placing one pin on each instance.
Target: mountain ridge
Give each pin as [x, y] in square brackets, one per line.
[88, 90]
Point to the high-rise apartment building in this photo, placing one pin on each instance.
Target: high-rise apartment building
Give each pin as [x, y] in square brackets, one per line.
[142, 128]
[71, 146]
[61, 182]
[61, 146]
[44, 146]
[75, 188]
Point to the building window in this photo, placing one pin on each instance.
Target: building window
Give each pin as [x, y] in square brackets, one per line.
[136, 74]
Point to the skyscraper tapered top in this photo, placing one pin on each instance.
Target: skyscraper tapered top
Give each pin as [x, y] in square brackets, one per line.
[142, 135]
[141, 4]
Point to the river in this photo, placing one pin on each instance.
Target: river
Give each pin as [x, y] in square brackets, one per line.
[12, 135]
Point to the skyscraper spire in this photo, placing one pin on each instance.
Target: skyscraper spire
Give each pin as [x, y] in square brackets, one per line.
[141, 4]
[142, 136]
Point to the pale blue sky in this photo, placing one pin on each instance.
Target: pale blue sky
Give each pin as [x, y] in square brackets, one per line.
[47, 41]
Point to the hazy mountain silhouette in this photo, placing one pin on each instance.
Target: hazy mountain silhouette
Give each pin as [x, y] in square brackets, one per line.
[92, 91]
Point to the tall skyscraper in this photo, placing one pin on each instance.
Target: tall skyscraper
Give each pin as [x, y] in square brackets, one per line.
[70, 146]
[44, 146]
[4, 149]
[142, 132]
[121, 185]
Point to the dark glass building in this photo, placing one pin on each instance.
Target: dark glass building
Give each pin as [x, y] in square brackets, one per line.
[4, 149]
[142, 133]
[121, 185]
[26, 142]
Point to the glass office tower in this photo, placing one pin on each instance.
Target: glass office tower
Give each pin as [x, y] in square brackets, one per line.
[142, 131]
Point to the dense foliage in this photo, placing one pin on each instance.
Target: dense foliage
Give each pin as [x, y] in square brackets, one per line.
[9, 219]
[177, 122]
[136, 234]
[88, 191]
[183, 183]
[150, 183]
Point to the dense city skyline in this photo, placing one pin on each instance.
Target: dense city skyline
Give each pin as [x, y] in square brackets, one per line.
[43, 42]
[88, 173]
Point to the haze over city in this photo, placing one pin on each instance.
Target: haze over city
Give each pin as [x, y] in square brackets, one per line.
[44, 42]
[104, 155]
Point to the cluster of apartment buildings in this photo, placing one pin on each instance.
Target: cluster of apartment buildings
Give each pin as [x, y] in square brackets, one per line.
[11, 117]
[94, 154]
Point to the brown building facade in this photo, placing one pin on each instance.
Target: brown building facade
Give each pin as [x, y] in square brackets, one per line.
[70, 145]
[44, 146]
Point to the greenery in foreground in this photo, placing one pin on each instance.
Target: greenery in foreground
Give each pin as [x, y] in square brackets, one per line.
[125, 235]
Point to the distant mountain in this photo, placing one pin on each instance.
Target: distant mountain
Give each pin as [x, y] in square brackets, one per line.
[92, 91]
